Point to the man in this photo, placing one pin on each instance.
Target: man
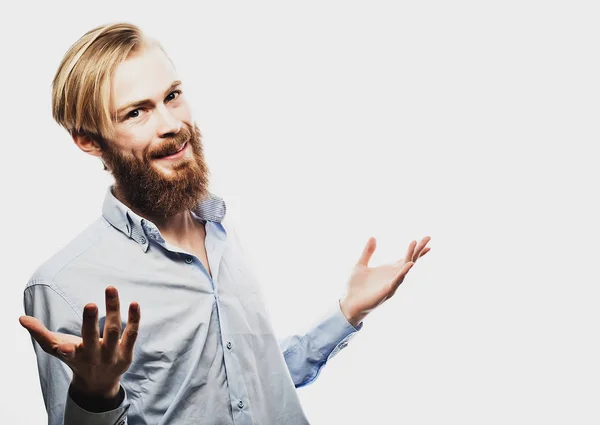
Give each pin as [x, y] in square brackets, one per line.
[205, 351]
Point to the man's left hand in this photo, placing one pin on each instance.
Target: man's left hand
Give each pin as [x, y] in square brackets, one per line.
[369, 287]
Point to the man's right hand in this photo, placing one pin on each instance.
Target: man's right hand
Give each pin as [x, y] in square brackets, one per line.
[97, 363]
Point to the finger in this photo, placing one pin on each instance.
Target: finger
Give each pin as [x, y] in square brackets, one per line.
[112, 326]
[90, 333]
[410, 252]
[131, 332]
[399, 278]
[425, 251]
[420, 248]
[367, 252]
[40, 333]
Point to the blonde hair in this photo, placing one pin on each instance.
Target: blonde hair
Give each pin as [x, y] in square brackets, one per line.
[81, 89]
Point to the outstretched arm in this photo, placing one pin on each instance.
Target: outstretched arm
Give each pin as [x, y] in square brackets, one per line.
[367, 288]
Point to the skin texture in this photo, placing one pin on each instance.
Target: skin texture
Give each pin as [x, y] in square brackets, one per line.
[163, 190]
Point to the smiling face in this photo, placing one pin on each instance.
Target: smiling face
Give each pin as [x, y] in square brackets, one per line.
[156, 155]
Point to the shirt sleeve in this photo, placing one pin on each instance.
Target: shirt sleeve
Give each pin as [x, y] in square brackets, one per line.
[46, 304]
[305, 355]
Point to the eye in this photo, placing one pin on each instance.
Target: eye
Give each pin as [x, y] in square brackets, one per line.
[133, 114]
[173, 95]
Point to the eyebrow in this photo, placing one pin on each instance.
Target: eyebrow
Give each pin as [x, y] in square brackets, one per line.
[143, 102]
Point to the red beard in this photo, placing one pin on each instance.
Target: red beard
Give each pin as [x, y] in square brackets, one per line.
[150, 192]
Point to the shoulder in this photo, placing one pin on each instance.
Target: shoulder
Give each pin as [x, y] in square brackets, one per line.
[55, 287]
[72, 253]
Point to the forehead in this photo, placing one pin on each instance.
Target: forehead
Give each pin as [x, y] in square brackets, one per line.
[146, 75]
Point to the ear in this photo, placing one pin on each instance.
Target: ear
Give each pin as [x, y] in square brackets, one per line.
[87, 144]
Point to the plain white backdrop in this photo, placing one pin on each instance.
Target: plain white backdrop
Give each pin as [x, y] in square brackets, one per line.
[475, 123]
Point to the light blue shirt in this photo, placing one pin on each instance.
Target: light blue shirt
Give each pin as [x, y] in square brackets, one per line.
[206, 352]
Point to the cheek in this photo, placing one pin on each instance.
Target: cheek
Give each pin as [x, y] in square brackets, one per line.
[134, 142]
[183, 112]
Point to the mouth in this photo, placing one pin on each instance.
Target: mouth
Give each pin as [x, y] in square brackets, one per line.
[174, 154]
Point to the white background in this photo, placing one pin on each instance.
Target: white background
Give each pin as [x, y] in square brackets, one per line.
[324, 123]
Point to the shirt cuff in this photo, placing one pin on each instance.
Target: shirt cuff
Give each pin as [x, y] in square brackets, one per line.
[76, 415]
[333, 333]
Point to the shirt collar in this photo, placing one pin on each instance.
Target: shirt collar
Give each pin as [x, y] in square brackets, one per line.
[211, 208]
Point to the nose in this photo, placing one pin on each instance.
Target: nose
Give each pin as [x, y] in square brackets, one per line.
[168, 124]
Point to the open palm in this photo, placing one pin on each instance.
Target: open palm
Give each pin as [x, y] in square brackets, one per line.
[368, 287]
[97, 363]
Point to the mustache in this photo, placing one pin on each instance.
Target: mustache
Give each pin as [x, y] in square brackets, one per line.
[171, 145]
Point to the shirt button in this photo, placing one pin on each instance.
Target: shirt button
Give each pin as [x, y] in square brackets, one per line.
[229, 345]
[189, 260]
[241, 404]
[143, 239]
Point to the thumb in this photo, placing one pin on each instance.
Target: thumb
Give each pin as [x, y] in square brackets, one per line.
[367, 252]
[33, 325]
[38, 331]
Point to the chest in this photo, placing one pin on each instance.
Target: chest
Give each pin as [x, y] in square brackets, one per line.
[200, 253]
[195, 245]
